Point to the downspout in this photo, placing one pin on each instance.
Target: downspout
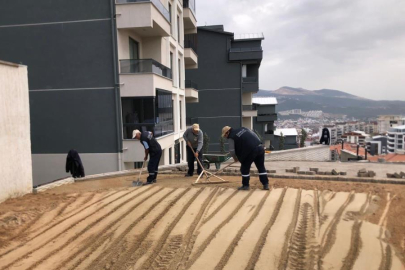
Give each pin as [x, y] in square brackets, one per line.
[116, 83]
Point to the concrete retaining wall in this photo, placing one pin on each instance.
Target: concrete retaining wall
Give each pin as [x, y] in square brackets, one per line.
[314, 153]
[15, 142]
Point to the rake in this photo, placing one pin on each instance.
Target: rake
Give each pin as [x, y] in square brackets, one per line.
[204, 171]
[139, 182]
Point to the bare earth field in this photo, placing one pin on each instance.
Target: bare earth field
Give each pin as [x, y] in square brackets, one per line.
[298, 224]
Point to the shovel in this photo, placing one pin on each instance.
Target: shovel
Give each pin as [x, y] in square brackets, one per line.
[139, 182]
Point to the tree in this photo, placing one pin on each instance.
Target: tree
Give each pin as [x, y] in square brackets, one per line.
[281, 142]
[206, 141]
[304, 136]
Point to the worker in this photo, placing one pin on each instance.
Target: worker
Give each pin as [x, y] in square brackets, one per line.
[153, 149]
[246, 147]
[194, 138]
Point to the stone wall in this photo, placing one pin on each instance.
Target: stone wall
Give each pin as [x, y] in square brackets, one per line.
[313, 153]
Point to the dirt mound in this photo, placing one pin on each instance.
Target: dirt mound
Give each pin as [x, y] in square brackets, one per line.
[157, 227]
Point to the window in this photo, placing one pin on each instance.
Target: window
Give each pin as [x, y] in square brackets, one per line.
[170, 15]
[179, 72]
[148, 114]
[171, 63]
[181, 116]
[178, 29]
[170, 155]
[137, 113]
[133, 49]
[164, 113]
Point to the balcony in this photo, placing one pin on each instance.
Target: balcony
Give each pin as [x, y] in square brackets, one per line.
[267, 117]
[191, 91]
[249, 111]
[147, 18]
[189, 17]
[190, 51]
[250, 85]
[246, 54]
[141, 77]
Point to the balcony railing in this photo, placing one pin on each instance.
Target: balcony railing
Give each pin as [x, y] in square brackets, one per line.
[145, 66]
[189, 4]
[165, 12]
[250, 80]
[248, 108]
[190, 41]
[253, 49]
[190, 84]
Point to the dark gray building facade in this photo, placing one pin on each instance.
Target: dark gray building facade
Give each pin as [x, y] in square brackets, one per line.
[74, 100]
[227, 77]
[263, 124]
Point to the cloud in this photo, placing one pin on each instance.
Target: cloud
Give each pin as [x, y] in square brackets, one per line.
[354, 46]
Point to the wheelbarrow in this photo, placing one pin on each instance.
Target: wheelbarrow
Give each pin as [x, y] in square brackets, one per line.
[214, 158]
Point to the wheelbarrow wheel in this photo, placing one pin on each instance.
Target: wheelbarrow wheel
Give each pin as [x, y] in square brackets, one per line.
[206, 165]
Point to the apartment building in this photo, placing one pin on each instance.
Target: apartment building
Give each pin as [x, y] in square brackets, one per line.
[227, 78]
[396, 140]
[385, 122]
[355, 137]
[97, 70]
[263, 124]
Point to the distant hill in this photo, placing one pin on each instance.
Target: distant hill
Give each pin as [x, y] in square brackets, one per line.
[332, 101]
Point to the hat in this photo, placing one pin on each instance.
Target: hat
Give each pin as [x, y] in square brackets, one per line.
[196, 127]
[225, 130]
[134, 133]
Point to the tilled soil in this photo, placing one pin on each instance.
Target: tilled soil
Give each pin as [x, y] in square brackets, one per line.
[107, 224]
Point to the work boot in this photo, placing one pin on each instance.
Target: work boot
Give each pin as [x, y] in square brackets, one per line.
[244, 188]
[266, 187]
[187, 175]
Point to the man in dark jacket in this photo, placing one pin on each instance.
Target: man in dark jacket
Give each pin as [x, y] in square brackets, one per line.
[246, 148]
[152, 148]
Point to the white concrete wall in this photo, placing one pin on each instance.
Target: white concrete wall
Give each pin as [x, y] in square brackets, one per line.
[15, 142]
[314, 153]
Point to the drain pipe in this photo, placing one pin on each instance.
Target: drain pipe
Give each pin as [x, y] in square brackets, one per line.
[116, 84]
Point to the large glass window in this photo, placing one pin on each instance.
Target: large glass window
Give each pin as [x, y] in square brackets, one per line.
[133, 49]
[137, 113]
[148, 114]
[164, 113]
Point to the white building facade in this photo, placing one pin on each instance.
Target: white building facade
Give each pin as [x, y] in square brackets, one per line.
[396, 140]
[152, 66]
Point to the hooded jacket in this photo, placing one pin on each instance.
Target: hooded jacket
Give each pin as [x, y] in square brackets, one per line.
[74, 164]
[325, 136]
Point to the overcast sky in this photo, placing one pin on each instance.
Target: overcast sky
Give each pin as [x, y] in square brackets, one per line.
[357, 46]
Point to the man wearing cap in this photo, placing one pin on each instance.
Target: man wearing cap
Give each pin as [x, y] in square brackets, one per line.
[247, 148]
[194, 138]
[152, 148]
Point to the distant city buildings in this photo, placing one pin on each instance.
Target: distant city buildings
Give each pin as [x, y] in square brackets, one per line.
[396, 140]
[385, 122]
